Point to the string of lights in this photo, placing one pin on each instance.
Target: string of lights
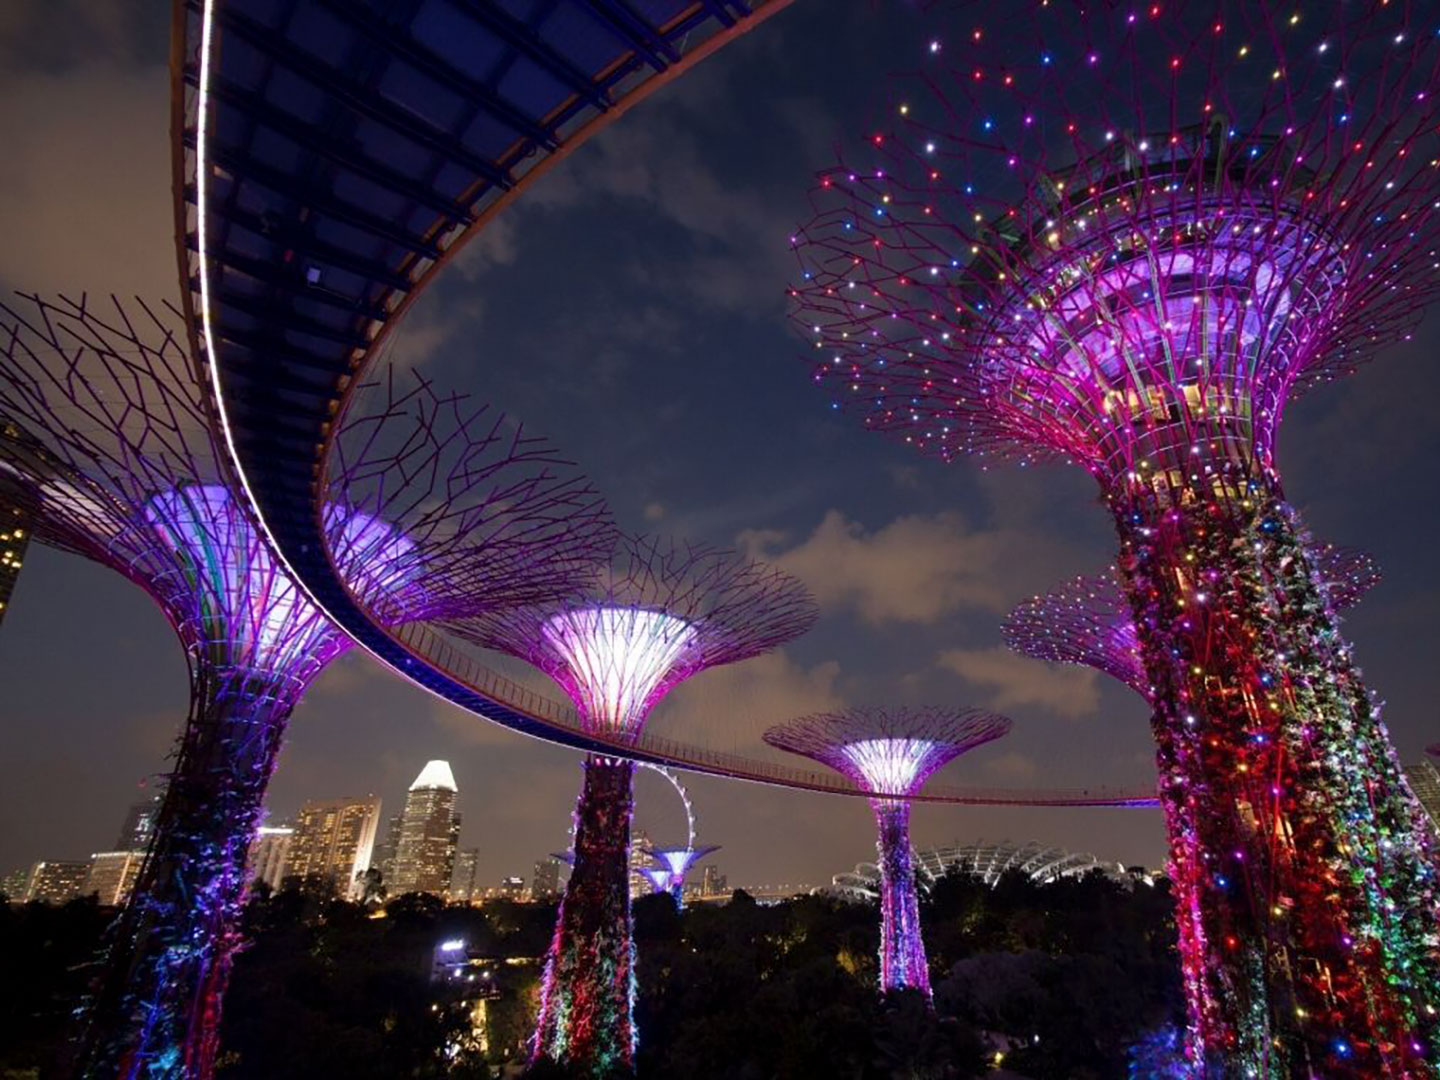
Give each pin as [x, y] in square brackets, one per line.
[665, 612]
[1126, 238]
[105, 443]
[892, 752]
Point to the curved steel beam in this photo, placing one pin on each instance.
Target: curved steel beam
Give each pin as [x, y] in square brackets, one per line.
[298, 256]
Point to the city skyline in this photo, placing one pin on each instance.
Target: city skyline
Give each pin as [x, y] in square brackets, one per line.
[357, 731]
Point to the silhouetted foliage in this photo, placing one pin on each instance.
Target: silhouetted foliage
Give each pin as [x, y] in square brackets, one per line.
[49, 954]
[1069, 980]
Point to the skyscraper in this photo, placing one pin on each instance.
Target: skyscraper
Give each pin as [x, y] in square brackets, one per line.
[462, 883]
[639, 858]
[332, 843]
[713, 883]
[546, 885]
[111, 876]
[56, 882]
[269, 853]
[429, 834]
[383, 858]
[15, 884]
[14, 538]
[1424, 780]
[139, 824]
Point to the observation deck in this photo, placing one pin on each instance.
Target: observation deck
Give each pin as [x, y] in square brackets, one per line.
[330, 158]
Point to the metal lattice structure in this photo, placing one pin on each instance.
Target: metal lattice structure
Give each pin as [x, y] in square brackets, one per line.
[1127, 238]
[330, 160]
[982, 859]
[443, 510]
[665, 612]
[891, 753]
[1087, 620]
[672, 864]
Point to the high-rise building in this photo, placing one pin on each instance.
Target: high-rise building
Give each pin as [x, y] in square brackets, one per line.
[14, 538]
[15, 884]
[463, 887]
[56, 882]
[429, 834]
[639, 859]
[332, 843]
[1424, 780]
[269, 853]
[139, 824]
[714, 882]
[383, 858]
[511, 888]
[112, 875]
[546, 885]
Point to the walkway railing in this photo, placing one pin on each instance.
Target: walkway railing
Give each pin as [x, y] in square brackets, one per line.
[437, 651]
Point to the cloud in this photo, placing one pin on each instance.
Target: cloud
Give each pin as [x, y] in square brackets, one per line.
[728, 707]
[1012, 766]
[87, 193]
[654, 511]
[1017, 680]
[917, 569]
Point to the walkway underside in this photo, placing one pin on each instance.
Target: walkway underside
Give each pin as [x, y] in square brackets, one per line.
[342, 151]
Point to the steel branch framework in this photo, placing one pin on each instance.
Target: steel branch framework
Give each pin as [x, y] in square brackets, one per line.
[1087, 620]
[664, 612]
[105, 445]
[329, 160]
[891, 753]
[671, 866]
[1126, 238]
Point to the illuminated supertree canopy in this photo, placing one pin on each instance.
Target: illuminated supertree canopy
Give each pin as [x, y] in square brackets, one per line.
[441, 510]
[891, 753]
[1126, 237]
[672, 864]
[1087, 621]
[664, 612]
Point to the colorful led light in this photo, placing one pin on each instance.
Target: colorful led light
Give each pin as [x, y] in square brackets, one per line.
[665, 612]
[1143, 295]
[106, 443]
[617, 659]
[890, 753]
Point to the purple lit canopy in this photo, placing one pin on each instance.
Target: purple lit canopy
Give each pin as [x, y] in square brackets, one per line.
[1087, 620]
[888, 752]
[665, 611]
[1116, 236]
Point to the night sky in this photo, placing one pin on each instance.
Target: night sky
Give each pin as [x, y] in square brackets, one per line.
[631, 307]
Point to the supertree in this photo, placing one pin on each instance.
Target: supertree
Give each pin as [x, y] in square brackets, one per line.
[1087, 621]
[438, 510]
[891, 753]
[665, 612]
[671, 866]
[1126, 237]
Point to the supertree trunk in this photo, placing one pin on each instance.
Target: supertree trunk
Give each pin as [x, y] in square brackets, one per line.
[1305, 881]
[902, 949]
[586, 1009]
[156, 1009]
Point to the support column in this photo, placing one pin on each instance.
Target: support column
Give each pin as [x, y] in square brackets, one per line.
[155, 1012]
[587, 998]
[902, 949]
[1305, 878]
